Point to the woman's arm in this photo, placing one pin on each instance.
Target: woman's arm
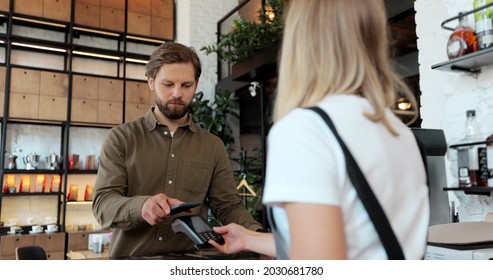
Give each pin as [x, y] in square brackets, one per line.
[238, 239]
[316, 231]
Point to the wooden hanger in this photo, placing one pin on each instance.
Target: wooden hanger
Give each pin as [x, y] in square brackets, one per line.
[244, 183]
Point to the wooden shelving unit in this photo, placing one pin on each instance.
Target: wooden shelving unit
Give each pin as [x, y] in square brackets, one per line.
[112, 32]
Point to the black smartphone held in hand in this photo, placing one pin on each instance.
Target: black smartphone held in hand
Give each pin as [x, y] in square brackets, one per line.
[183, 207]
[197, 229]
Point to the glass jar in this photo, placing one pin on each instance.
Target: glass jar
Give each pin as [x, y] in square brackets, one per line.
[463, 39]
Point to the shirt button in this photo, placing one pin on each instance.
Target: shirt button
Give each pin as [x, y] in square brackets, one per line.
[172, 155]
[165, 133]
[160, 238]
[170, 182]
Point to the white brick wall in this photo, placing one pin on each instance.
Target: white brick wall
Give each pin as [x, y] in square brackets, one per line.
[197, 27]
[446, 96]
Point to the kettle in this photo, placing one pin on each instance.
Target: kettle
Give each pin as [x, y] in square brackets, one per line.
[31, 161]
[54, 161]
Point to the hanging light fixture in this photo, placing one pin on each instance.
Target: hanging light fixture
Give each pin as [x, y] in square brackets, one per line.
[269, 12]
[97, 55]
[39, 47]
[141, 61]
[403, 104]
[40, 22]
[253, 88]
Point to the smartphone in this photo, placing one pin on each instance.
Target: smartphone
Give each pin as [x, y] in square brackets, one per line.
[183, 207]
[197, 229]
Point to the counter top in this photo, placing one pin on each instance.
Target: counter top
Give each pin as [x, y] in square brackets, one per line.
[87, 255]
[204, 254]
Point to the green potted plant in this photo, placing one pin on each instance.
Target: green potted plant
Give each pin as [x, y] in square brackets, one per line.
[248, 37]
[213, 115]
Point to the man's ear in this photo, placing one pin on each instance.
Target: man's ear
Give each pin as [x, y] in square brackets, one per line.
[196, 84]
[150, 83]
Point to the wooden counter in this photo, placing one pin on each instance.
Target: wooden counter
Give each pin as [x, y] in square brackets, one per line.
[52, 243]
[87, 255]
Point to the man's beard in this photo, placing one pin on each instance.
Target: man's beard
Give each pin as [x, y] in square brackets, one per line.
[170, 112]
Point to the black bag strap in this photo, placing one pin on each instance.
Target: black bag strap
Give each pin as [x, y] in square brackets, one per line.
[375, 211]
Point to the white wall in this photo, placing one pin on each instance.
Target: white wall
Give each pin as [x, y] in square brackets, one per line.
[196, 22]
[447, 95]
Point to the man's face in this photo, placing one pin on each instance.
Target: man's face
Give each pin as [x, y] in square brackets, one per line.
[174, 86]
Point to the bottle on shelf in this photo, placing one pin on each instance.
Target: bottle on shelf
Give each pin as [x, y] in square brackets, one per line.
[468, 156]
[489, 159]
[463, 39]
[484, 24]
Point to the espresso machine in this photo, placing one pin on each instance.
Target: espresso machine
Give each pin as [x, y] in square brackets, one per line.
[447, 239]
[435, 148]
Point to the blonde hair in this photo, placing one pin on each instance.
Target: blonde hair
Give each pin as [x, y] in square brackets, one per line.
[337, 47]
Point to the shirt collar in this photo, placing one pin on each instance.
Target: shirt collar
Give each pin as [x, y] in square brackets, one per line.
[152, 122]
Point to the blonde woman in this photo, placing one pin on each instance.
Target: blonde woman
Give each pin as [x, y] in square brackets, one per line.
[335, 56]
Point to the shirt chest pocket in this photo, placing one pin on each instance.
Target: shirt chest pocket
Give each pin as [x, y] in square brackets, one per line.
[196, 176]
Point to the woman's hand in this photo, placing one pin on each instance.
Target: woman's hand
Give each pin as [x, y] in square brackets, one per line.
[238, 239]
[234, 237]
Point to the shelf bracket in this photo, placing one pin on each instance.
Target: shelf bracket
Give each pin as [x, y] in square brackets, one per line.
[486, 191]
[474, 71]
[477, 193]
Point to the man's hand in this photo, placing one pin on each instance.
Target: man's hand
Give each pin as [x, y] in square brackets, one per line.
[156, 209]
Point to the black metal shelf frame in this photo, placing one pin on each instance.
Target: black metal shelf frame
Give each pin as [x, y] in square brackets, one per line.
[83, 171]
[32, 194]
[456, 146]
[469, 63]
[78, 29]
[33, 171]
[91, 125]
[462, 14]
[71, 31]
[40, 122]
[75, 31]
[36, 22]
[472, 190]
[3, 18]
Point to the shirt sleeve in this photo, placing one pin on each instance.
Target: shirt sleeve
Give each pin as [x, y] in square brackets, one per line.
[224, 196]
[111, 206]
[304, 162]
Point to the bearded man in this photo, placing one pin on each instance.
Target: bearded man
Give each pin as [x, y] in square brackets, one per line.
[163, 159]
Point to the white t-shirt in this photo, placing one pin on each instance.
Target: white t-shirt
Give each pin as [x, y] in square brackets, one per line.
[305, 164]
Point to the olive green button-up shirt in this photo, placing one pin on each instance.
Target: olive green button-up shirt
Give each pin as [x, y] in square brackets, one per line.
[140, 159]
